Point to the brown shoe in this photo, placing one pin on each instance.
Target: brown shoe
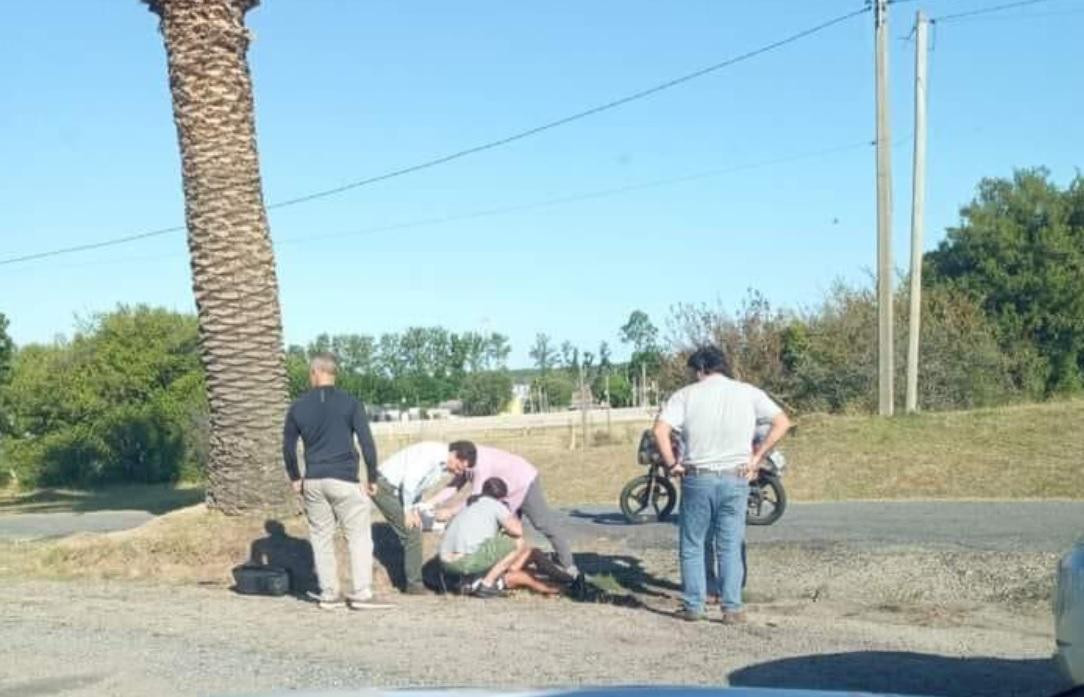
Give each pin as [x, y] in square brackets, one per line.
[737, 617]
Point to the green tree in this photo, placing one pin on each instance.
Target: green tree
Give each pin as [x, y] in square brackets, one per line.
[486, 393]
[7, 350]
[543, 353]
[122, 401]
[297, 371]
[620, 389]
[7, 356]
[497, 351]
[570, 359]
[647, 356]
[825, 359]
[1019, 252]
[640, 332]
[555, 388]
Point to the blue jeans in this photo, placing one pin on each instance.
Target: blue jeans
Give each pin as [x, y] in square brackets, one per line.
[712, 512]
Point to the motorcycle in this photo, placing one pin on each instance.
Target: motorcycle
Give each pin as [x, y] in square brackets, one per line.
[653, 497]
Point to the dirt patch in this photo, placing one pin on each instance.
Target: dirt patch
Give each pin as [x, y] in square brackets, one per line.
[196, 546]
[131, 638]
[151, 613]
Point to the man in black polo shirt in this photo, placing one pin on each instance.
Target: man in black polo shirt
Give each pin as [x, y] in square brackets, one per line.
[327, 419]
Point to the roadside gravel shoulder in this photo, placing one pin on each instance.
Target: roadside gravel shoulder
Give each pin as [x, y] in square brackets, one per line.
[125, 638]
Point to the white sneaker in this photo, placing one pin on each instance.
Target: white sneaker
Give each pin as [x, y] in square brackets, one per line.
[369, 603]
[325, 603]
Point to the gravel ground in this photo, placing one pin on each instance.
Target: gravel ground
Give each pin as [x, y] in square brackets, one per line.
[124, 638]
[902, 614]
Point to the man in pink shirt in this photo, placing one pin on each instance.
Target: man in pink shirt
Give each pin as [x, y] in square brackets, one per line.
[474, 465]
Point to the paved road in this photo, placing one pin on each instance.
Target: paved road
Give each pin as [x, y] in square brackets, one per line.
[31, 526]
[1038, 526]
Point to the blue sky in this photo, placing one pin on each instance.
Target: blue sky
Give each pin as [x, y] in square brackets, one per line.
[345, 90]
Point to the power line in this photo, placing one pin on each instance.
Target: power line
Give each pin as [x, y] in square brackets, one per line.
[92, 245]
[586, 196]
[545, 203]
[574, 117]
[1016, 17]
[478, 148]
[986, 10]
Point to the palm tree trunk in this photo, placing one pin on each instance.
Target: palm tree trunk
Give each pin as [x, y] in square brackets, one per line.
[233, 266]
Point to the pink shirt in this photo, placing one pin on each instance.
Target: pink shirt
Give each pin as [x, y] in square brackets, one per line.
[516, 472]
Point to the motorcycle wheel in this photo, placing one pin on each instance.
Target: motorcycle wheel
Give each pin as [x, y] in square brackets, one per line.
[634, 503]
[767, 500]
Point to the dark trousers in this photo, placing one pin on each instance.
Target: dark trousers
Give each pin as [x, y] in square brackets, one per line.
[542, 517]
[387, 502]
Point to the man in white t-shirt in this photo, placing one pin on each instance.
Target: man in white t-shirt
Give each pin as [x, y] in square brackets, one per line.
[717, 417]
[402, 479]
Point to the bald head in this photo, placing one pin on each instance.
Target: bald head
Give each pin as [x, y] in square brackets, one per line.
[322, 369]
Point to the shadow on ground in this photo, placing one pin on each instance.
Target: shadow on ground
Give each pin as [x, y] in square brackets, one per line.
[152, 498]
[280, 549]
[627, 572]
[614, 518]
[906, 673]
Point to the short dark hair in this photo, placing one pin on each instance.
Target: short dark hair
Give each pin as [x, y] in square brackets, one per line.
[710, 359]
[494, 488]
[465, 450]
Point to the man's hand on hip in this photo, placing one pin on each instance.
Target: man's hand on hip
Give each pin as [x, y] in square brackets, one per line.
[298, 486]
[370, 488]
[752, 468]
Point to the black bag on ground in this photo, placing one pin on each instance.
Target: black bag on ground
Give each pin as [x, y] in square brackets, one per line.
[261, 580]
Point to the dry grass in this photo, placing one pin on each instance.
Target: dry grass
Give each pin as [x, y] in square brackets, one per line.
[192, 545]
[1031, 451]
[189, 546]
[1018, 452]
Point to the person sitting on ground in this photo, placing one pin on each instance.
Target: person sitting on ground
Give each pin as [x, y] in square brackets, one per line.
[486, 538]
[473, 465]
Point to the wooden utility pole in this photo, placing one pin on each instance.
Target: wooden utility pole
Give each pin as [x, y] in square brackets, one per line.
[609, 422]
[918, 205]
[885, 362]
[583, 406]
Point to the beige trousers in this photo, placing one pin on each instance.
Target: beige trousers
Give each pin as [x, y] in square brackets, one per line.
[330, 503]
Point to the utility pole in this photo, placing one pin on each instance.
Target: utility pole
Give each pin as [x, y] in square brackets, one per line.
[583, 406]
[918, 205]
[609, 406]
[885, 362]
[643, 384]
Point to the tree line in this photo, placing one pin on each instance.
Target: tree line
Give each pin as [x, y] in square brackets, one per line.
[123, 399]
[1002, 315]
[421, 366]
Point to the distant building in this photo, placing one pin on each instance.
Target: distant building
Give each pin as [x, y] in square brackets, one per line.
[452, 406]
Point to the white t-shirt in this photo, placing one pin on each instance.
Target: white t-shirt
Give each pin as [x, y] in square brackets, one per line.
[717, 417]
[414, 469]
